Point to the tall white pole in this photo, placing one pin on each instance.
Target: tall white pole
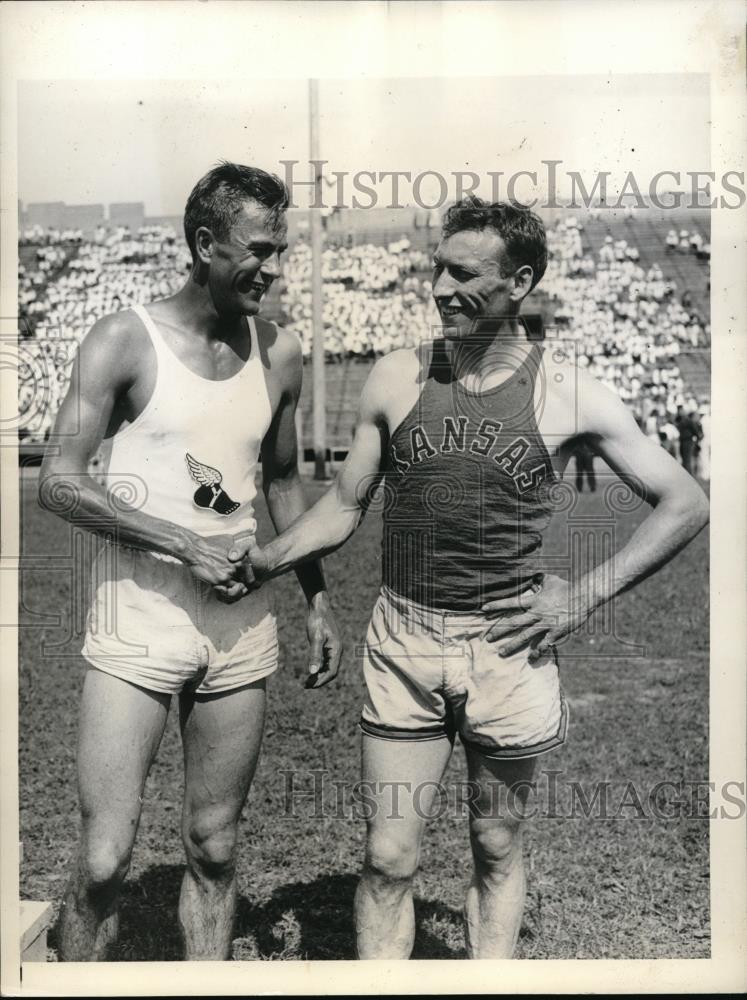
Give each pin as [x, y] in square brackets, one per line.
[317, 305]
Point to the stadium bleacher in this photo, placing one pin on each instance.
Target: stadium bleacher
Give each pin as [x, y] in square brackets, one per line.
[648, 230]
[378, 298]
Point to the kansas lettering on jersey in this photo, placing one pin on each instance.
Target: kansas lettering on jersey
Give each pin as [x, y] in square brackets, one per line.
[480, 440]
[466, 491]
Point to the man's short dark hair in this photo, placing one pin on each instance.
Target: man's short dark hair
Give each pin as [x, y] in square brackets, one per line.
[522, 232]
[217, 199]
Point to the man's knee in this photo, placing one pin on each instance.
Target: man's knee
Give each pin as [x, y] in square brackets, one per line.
[390, 858]
[104, 865]
[210, 844]
[496, 844]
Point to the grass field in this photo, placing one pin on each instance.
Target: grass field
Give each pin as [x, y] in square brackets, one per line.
[633, 885]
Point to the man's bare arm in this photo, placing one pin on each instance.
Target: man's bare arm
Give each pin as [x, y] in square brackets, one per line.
[680, 507]
[336, 515]
[286, 503]
[103, 371]
[680, 511]
[281, 482]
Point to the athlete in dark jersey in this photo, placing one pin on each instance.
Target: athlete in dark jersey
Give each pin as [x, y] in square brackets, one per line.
[468, 498]
[468, 435]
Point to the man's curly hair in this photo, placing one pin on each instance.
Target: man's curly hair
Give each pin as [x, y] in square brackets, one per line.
[522, 232]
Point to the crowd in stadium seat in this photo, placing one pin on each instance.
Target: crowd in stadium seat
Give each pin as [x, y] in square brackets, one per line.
[374, 299]
[625, 322]
[112, 271]
[72, 283]
[38, 236]
[43, 375]
[686, 242]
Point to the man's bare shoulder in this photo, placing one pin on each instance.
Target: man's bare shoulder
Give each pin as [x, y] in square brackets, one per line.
[394, 378]
[401, 367]
[117, 342]
[118, 326]
[576, 398]
[559, 355]
[274, 337]
[559, 394]
[280, 349]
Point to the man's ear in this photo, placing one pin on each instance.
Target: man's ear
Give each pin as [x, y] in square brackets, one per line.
[523, 278]
[204, 244]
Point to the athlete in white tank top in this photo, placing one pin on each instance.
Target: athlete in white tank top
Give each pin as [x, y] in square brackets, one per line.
[186, 409]
[195, 446]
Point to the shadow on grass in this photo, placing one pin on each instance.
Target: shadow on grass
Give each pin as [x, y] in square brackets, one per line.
[314, 921]
[301, 921]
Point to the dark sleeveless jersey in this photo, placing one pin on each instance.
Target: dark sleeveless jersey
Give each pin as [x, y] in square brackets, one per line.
[466, 490]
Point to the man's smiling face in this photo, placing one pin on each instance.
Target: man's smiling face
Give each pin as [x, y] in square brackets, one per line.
[244, 265]
[468, 282]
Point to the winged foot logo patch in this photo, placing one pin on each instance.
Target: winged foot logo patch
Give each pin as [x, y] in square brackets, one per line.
[209, 493]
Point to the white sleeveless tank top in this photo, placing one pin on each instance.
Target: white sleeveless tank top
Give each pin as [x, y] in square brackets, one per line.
[191, 456]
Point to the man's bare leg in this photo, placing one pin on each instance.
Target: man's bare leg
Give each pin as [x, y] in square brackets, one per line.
[120, 729]
[384, 914]
[495, 899]
[222, 736]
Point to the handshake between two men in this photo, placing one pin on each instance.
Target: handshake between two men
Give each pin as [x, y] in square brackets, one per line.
[227, 562]
[234, 565]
